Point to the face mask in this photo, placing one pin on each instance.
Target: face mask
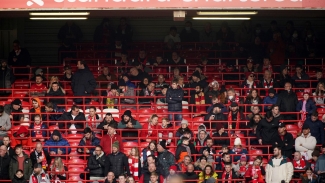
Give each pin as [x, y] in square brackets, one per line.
[231, 97]
[295, 35]
[187, 28]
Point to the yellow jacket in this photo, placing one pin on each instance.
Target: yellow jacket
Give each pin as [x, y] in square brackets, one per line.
[201, 178]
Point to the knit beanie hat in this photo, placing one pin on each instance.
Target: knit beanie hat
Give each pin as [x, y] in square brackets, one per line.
[116, 144]
[163, 144]
[16, 102]
[127, 113]
[173, 167]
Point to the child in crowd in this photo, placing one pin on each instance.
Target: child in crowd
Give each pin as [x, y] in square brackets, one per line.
[134, 163]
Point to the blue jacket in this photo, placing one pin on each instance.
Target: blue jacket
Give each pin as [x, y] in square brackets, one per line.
[44, 132]
[94, 142]
[269, 100]
[320, 163]
[61, 142]
[316, 129]
[238, 155]
[310, 106]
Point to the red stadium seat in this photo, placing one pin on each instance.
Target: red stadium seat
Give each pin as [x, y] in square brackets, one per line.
[77, 161]
[321, 110]
[75, 136]
[128, 146]
[253, 153]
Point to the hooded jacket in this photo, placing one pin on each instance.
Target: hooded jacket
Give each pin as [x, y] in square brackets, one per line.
[83, 83]
[14, 165]
[96, 165]
[94, 142]
[305, 144]
[48, 146]
[286, 169]
[40, 110]
[316, 129]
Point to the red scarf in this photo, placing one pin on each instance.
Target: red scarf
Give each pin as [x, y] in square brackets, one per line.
[35, 180]
[44, 161]
[199, 103]
[257, 170]
[37, 130]
[236, 100]
[300, 164]
[248, 88]
[91, 121]
[149, 94]
[134, 167]
[224, 177]
[230, 120]
[268, 67]
[265, 84]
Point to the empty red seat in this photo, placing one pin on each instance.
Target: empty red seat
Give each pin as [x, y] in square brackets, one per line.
[77, 161]
[321, 110]
[75, 136]
[254, 152]
[128, 146]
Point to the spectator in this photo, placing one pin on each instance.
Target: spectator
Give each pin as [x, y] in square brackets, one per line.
[38, 71]
[6, 142]
[271, 99]
[316, 127]
[244, 33]
[197, 81]
[228, 173]
[300, 75]
[38, 89]
[207, 174]
[225, 158]
[214, 115]
[123, 63]
[142, 61]
[320, 168]
[134, 163]
[255, 172]
[305, 144]
[279, 168]
[70, 31]
[37, 108]
[287, 101]
[124, 31]
[57, 93]
[235, 117]
[108, 139]
[21, 136]
[209, 144]
[182, 166]
[299, 163]
[238, 149]
[93, 119]
[313, 161]
[58, 170]
[75, 117]
[220, 133]
[19, 177]
[149, 130]
[163, 132]
[38, 129]
[319, 78]
[117, 161]
[39, 175]
[147, 94]
[308, 176]
[255, 120]
[112, 96]
[5, 162]
[177, 61]
[5, 124]
[53, 113]
[306, 105]
[276, 112]
[161, 84]
[20, 161]
[19, 57]
[57, 140]
[276, 49]
[107, 121]
[110, 178]
[89, 139]
[165, 158]
[267, 129]
[215, 100]
[189, 176]
[172, 36]
[39, 156]
[83, 83]
[174, 98]
[319, 95]
[249, 67]
[267, 65]
[128, 122]
[213, 91]
[208, 35]
[104, 33]
[150, 159]
[198, 99]
[146, 176]
[126, 90]
[250, 83]
[225, 33]
[267, 83]
[185, 148]
[96, 164]
[202, 162]
[241, 167]
[67, 73]
[284, 140]
[283, 77]
[184, 128]
[7, 78]
[138, 75]
[189, 34]
[122, 178]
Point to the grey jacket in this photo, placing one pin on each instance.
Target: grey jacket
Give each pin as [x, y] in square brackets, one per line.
[5, 122]
[320, 163]
[45, 179]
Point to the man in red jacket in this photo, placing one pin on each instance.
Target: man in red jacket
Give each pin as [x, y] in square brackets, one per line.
[107, 140]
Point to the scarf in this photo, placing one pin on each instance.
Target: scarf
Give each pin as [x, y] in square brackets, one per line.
[267, 86]
[230, 126]
[37, 129]
[257, 170]
[267, 67]
[188, 150]
[91, 121]
[150, 128]
[134, 166]
[249, 86]
[35, 179]
[148, 93]
[56, 169]
[200, 102]
[236, 100]
[300, 164]
[224, 174]
[44, 161]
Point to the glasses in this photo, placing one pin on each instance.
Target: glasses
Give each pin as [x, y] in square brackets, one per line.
[252, 76]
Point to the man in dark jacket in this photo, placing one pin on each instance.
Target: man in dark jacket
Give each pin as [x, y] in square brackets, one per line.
[83, 83]
[20, 159]
[53, 113]
[214, 115]
[174, 98]
[267, 130]
[145, 177]
[220, 127]
[190, 174]
[107, 121]
[16, 108]
[89, 139]
[6, 77]
[117, 161]
[96, 164]
[285, 141]
[6, 141]
[4, 163]
[19, 57]
[57, 140]
[235, 116]
[287, 101]
[316, 127]
[165, 159]
[73, 115]
[130, 124]
[40, 156]
[148, 93]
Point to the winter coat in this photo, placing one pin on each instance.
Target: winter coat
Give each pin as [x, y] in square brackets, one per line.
[23, 59]
[61, 142]
[117, 163]
[310, 106]
[267, 130]
[55, 115]
[204, 179]
[13, 167]
[286, 144]
[7, 78]
[43, 130]
[320, 163]
[217, 117]
[59, 94]
[96, 165]
[33, 157]
[220, 142]
[303, 144]
[238, 154]
[165, 160]
[94, 142]
[18, 113]
[190, 176]
[5, 122]
[127, 133]
[287, 102]
[4, 167]
[83, 84]
[41, 178]
[67, 116]
[181, 150]
[174, 99]
[145, 178]
[298, 84]
[104, 122]
[316, 129]
[107, 143]
[19, 180]
[286, 169]
[269, 100]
